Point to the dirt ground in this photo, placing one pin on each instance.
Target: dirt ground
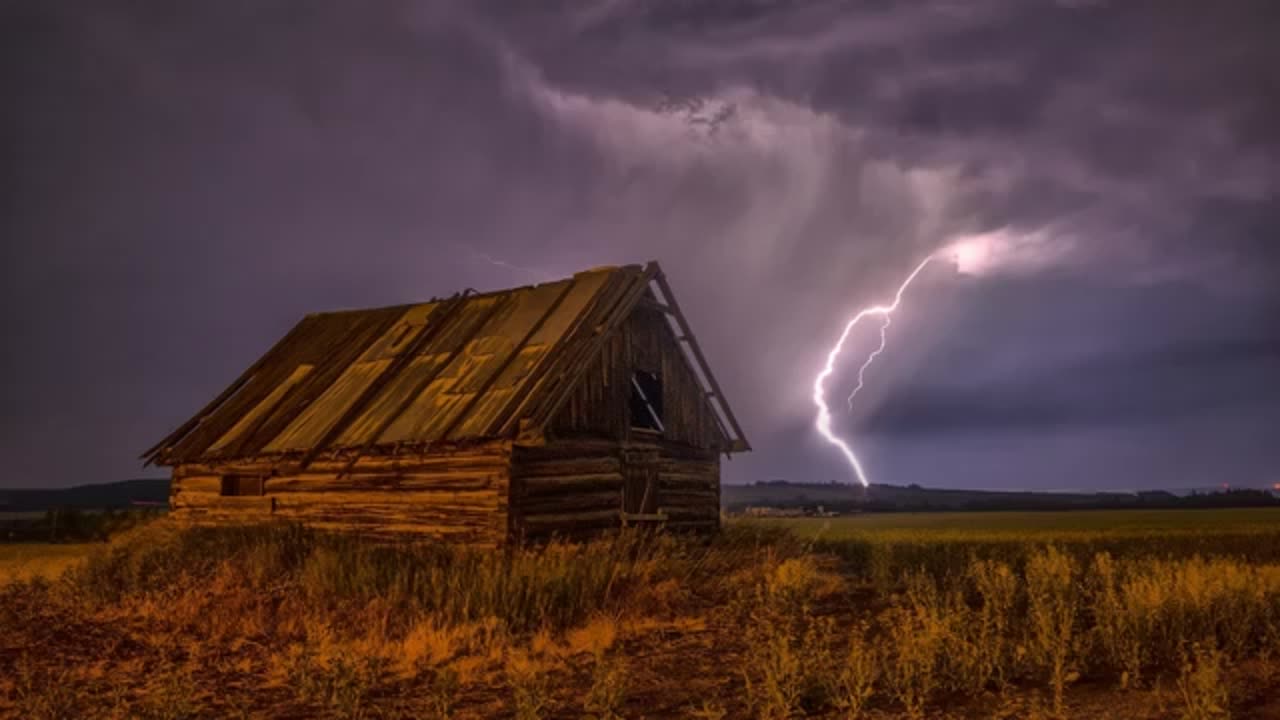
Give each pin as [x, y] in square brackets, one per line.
[117, 666]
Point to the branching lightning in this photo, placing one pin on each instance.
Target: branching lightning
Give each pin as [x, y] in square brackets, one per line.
[886, 321]
[823, 422]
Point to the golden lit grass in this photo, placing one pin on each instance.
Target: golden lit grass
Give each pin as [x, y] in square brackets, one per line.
[882, 547]
[24, 561]
[285, 622]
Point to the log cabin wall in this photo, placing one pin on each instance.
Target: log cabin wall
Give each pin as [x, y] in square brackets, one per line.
[570, 488]
[689, 487]
[595, 466]
[458, 497]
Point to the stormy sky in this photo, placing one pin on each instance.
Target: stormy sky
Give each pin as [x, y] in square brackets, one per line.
[180, 183]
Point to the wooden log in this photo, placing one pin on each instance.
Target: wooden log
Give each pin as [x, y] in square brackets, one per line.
[677, 483]
[575, 466]
[388, 483]
[231, 503]
[391, 504]
[685, 453]
[393, 523]
[551, 521]
[574, 502]
[445, 499]
[688, 467]
[707, 498]
[569, 449]
[534, 487]
[491, 455]
[197, 483]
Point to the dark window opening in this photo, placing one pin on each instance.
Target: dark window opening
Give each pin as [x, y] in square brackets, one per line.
[241, 485]
[646, 401]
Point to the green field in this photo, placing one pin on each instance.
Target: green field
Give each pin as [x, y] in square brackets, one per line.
[1038, 525]
[882, 547]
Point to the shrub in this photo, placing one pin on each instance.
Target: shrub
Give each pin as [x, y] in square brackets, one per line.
[1201, 685]
[1051, 613]
[992, 631]
[608, 690]
[916, 635]
[857, 676]
[530, 687]
[775, 675]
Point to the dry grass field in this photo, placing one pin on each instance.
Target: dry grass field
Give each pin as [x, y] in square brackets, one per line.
[1076, 616]
[25, 561]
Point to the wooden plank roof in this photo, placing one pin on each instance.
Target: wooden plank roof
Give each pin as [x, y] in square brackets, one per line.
[470, 367]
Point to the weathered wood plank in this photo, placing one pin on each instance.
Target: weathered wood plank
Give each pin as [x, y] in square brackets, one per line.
[708, 498]
[679, 483]
[198, 483]
[687, 467]
[574, 502]
[558, 486]
[579, 466]
[390, 484]
[485, 499]
[550, 521]
[237, 503]
[489, 456]
[567, 450]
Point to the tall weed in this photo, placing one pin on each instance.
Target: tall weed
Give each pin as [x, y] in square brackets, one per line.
[1052, 600]
[1201, 685]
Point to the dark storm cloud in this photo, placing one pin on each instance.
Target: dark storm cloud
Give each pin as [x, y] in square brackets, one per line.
[1131, 389]
[180, 184]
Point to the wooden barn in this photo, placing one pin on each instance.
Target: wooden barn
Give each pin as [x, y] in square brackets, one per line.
[560, 409]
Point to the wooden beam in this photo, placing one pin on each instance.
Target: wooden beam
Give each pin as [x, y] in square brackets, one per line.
[643, 517]
[651, 304]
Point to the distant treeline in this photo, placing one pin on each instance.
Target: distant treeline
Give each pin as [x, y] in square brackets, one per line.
[102, 496]
[913, 498]
[1225, 499]
[72, 525]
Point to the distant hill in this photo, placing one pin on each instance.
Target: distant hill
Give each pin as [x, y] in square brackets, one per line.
[87, 497]
[889, 498]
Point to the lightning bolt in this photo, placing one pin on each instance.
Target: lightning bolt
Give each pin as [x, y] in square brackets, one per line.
[862, 371]
[823, 421]
[478, 256]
